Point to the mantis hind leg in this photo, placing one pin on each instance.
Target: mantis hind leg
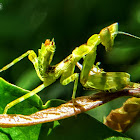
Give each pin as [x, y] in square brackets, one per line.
[24, 97]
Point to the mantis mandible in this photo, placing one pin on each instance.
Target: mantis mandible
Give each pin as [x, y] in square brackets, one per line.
[65, 69]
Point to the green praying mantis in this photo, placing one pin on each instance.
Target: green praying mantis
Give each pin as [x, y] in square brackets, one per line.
[91, 75]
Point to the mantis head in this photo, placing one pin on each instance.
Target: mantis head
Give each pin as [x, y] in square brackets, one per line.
[107, 36]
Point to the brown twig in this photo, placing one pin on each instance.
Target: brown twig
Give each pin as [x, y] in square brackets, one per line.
[66, 110]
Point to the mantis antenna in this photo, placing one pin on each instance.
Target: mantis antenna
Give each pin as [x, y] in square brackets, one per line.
[128, 34]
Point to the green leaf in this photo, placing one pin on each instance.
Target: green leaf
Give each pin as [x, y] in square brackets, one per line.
[3, 136]
[10, 92]
[118, 138]
[80, 127]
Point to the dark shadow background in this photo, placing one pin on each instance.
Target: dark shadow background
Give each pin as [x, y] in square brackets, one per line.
[25, 24]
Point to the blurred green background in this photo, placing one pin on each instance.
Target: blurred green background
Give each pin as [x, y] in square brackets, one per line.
[26, 24]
